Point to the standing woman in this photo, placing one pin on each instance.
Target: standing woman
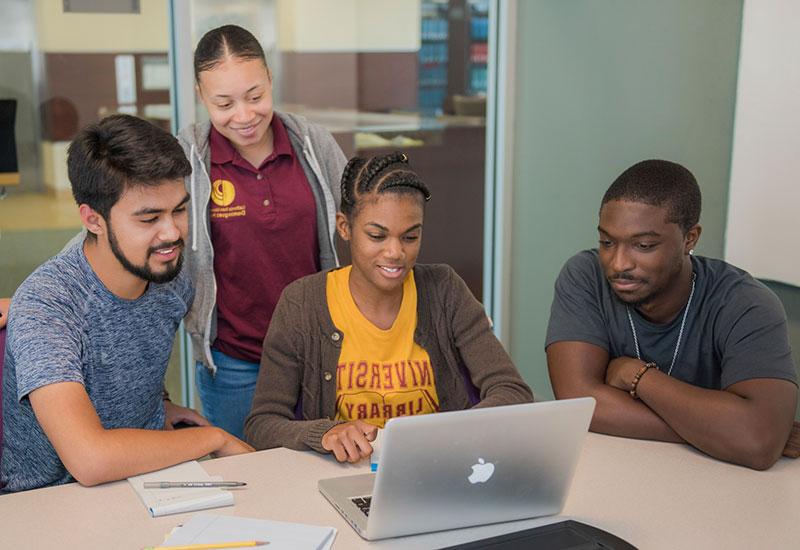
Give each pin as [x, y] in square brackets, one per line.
[264, 194]
[350, 348]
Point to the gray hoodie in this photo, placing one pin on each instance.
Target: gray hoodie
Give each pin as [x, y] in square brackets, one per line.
[322, 161]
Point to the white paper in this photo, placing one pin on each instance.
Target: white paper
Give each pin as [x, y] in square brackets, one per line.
[211, 528]
[162, 502]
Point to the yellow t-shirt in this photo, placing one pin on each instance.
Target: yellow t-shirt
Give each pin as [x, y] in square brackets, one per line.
[381, 373]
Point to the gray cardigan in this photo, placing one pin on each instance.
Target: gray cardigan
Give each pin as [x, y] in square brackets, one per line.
[301, 352]
[322, 161]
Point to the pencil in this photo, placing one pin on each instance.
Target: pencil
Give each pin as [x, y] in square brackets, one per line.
[211, 545]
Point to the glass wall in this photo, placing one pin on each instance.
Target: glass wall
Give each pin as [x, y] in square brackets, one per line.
[61, 70]
[58, 72]
[385, 75]
[381, 75]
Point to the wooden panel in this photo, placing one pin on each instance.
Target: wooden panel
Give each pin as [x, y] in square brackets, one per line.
[387, 81]
[86, 81]
[366, 81]
[81, 87]
[452, 165]
[319, 79]
[9, 178]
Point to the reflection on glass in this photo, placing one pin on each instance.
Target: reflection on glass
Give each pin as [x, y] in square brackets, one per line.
[382, 76]
[405, 74]
[63, 71]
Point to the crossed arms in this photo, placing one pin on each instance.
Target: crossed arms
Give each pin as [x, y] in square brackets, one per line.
[748, 423]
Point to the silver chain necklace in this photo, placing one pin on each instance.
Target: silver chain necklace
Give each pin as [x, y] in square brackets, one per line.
[680, 332]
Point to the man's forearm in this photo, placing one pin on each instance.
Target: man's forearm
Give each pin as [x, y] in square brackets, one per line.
[121, 453]
[618, 414]
[578, 369]
[721, 423]
[93, 454]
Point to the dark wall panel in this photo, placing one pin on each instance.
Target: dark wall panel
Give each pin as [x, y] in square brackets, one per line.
[79, 87]
[387, 81]
[365, 81]
[319, 79]
[452, 165]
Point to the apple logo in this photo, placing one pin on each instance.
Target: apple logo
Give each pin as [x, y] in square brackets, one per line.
[481, 472]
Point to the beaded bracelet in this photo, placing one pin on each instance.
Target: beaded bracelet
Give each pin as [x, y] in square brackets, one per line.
[638, 376]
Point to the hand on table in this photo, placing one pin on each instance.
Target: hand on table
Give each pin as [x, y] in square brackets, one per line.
[175, 414]
[620, 372]
[232, 446]
[792, 449]
[350, 441]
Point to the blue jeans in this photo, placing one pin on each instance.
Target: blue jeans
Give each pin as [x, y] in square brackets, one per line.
[228, 396]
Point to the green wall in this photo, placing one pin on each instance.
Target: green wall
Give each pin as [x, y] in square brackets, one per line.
[23, 251]
[601, 85]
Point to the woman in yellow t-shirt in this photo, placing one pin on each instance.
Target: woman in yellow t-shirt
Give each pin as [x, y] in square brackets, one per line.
[350, 348]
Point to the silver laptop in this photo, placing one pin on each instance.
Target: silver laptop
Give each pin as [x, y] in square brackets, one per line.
[464, 468]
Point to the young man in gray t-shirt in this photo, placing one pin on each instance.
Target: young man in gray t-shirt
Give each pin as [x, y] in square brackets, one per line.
[672, 346]
[90, 331]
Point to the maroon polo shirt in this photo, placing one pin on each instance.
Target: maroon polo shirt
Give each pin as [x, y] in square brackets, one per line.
[264, 233]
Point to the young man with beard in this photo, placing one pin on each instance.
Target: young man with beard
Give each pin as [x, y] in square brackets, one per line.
[91, 330]
[673, 346]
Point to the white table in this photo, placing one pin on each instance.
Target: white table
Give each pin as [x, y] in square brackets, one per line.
[654, 495]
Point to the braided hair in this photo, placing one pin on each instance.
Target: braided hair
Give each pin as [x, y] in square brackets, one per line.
[375, 175]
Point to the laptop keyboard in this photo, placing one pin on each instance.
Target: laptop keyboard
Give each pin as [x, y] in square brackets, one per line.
[363, 503]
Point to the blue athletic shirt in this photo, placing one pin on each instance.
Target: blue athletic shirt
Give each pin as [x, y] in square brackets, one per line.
[66, 326]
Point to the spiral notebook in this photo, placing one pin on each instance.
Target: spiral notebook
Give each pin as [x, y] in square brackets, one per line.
[162, 502]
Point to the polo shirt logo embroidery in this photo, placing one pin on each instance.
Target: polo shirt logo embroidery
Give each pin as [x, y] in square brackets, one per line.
[223, 194]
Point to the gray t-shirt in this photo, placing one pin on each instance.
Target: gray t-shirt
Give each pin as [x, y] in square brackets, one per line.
[735, 328]
[65, 326]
